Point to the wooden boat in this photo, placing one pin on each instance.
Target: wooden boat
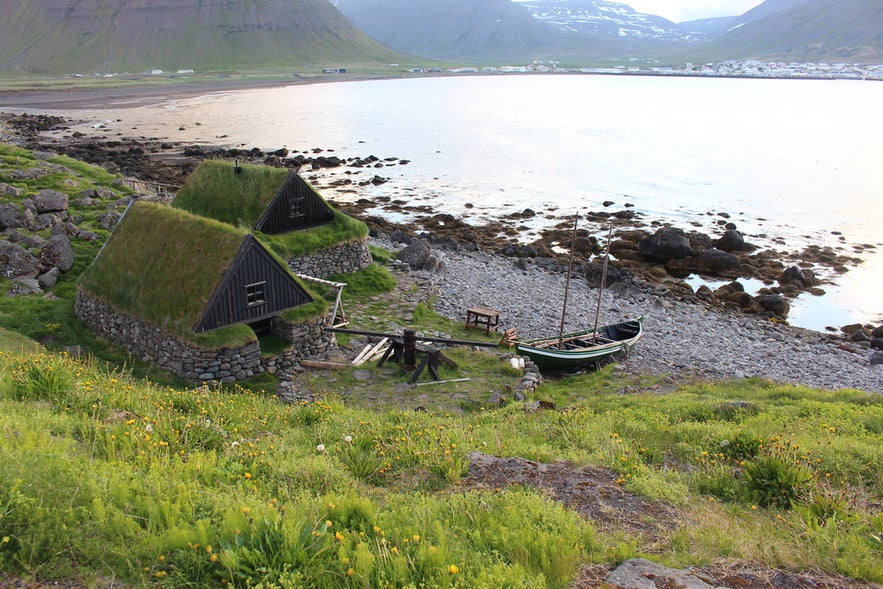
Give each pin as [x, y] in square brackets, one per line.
[582, 348]
[592, 346]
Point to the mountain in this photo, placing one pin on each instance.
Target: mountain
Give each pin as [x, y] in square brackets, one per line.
[64, 36]
[601, 18]
[453, 29]
[805, 30]
[585, 31]
[708, 28]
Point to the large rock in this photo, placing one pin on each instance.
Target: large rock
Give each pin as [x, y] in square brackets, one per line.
[668, 243]
[768, 304]
[712, 262]
[731, 241]
[15, 261]
[50, 201]
[58, 252]
[10, 216]
[802, 277]
[419, 256]
[639, 573]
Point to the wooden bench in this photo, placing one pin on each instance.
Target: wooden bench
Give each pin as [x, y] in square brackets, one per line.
[482, 318]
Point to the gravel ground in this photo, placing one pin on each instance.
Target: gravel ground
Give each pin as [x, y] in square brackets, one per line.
[682, 339]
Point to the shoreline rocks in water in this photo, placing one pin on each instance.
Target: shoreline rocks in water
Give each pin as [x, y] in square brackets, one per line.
[662, 258]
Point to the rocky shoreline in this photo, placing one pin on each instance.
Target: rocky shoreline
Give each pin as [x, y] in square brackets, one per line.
[683, 340]
[710, 334]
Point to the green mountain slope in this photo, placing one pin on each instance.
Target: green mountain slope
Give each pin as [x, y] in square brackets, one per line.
[474, 30]
[812, 30]
[63, 36]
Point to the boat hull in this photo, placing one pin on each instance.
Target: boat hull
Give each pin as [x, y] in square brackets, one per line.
[615, 340]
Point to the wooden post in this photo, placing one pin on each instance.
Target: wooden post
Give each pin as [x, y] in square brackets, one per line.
[409, 358]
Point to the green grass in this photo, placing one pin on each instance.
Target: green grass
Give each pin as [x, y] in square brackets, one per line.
[296, 244]
[177, 258]
[107, 475]
[214, 191]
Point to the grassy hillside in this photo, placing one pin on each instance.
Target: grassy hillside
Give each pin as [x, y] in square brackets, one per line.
[63, 36]
[814, 30]
[110, 477]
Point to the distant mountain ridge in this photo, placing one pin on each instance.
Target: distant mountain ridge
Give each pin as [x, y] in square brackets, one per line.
[66, 36]
[100, 36]
[806, 30]
[452, 29]
[586, 30]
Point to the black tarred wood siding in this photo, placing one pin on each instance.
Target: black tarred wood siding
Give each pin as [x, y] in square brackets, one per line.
[252, 267]
[295, 206]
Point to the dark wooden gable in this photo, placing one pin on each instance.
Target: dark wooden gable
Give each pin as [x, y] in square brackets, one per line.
[254, 287]
[295, 206]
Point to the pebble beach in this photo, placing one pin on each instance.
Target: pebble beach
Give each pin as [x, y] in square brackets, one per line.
[682, 340]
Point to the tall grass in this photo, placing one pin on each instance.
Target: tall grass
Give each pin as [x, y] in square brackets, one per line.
[200, 487]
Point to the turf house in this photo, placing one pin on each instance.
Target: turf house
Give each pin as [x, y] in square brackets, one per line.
[192, 294]
[292, 218]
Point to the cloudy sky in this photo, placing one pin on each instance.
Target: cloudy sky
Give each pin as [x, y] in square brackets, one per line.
[681, 10]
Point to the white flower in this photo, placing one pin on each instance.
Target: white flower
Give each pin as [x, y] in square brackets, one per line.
[148, 428]
[234, 444]
[320, 448]
[348, 439]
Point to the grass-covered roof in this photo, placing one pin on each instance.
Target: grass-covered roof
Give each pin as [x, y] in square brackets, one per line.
[162, 265]
[214, 191]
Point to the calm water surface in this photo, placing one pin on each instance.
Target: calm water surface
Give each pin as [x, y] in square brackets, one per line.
[799, 160]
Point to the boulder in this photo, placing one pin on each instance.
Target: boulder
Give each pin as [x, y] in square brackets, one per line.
[419, 256]
[639, 573]
[50, 201]
[10, 190]
[876, 359]
[731, 241]
[712, 262]
[771, 304]
[15, 261]
[668, 243]
[58, 252]
[802, 277]
[49, 278]
[10, 216]
[877, 331]
[109, 220]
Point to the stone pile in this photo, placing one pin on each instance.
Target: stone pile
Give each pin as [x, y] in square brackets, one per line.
[35, 262]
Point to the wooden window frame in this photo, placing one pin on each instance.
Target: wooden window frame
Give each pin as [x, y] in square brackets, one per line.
[296, 207]
[256, 294]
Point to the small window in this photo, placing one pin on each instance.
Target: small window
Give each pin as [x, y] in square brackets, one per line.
[254, 294]
[296, 207]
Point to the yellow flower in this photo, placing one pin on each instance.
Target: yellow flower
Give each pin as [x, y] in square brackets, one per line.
[247, 475]
[350, 572]
[338, 536]
[453, 569]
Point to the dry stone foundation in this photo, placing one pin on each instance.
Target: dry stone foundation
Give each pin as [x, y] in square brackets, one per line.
[339, 259]
[153, 344]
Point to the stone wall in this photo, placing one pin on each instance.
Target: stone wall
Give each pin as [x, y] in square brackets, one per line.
[152, 344]
[338, 259]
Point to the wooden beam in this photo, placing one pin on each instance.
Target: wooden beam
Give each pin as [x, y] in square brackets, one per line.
[323, 365]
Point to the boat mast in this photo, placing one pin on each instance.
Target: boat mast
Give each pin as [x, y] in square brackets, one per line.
[567, 283]
[603, 284]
